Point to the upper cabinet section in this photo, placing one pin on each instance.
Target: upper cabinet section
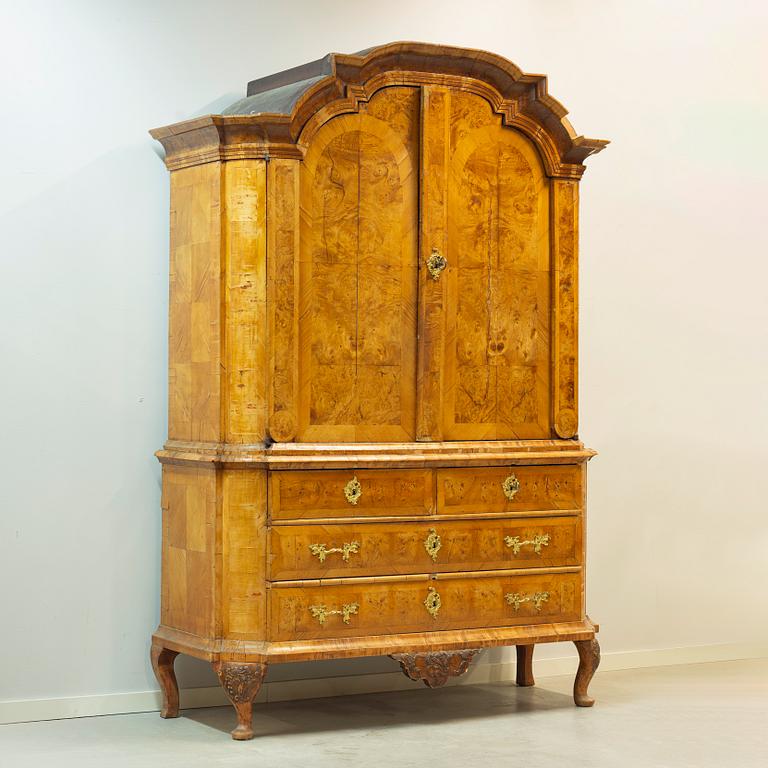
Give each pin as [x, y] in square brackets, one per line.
[379, 247]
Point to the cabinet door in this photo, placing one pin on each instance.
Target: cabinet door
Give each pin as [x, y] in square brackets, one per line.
[484, 365]
[358, 274]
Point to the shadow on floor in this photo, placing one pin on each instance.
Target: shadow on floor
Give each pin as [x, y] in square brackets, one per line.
[382, 710]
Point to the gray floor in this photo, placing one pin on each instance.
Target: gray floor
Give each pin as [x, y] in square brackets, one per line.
[697, 715]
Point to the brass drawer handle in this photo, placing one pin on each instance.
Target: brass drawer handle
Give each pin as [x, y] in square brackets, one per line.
[432, 544]
[353, 491]
[432, 603]
[320, 551]
[321, 612]
[539, 540]
[436, 263]
[510, 486]
[515, 599]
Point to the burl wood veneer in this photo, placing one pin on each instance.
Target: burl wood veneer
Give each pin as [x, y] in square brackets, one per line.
[372, 440]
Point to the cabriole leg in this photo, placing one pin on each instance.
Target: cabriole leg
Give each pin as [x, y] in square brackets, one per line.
[162, 663]
[241, 682]
[524, 672]
[589, 661]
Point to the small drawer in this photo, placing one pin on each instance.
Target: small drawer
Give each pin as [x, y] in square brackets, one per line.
[376, 549]
[350, 493]
[371, 607]
[510, 489]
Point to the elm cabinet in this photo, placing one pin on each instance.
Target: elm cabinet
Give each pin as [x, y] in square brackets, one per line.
[372, 440]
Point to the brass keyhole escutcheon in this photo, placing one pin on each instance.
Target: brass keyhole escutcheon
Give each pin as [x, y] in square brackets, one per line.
[433, 543]
[436, 263]
[433, 602]
[510, 486]
[353, 491]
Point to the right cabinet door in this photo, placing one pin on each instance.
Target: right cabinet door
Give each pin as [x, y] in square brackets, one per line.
[484, 348]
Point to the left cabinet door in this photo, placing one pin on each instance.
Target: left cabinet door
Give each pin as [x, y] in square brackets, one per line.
[358, 274]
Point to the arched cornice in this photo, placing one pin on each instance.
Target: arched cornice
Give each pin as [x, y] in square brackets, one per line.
[282, 112]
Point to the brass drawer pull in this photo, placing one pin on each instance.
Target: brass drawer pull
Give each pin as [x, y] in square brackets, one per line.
[516, 599]
[539, 540]
[432, 544]
[436, 263]
[321, 612]
[510, 486]
[353, 491]
[432, 603]
[320, 551]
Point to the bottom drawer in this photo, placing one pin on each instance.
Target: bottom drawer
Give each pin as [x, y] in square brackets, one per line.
[376, 607]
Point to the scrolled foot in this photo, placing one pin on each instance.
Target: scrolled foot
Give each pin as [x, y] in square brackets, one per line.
[162, 663]
[589, 661]
[524, 672]
[241, 682]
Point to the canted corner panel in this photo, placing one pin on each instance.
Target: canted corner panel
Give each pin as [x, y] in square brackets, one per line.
[244, 553]
[282, 260]
[487, 189]
[565, 211]
[358, 274]
[245, 295]
[189, 550]
[194, 324]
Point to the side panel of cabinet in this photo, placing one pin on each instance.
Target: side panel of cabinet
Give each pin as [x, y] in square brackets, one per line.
[485, 198]
[358, 274]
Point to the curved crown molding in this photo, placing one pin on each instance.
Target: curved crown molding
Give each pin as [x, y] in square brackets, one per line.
[281, 112]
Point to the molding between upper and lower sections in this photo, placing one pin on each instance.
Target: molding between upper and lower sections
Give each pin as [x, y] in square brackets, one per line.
[487, 453]
[28, 710]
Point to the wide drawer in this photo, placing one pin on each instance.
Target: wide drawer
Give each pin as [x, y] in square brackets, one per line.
[373, 607]
[350, 493]
[509, 489]
[371, 549]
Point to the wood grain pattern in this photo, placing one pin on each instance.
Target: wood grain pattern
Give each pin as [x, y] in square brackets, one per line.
[496, 344]
[189, 550]
[283, 246]
[541, 488]
[195, 304]
[397, 604]
[357, 321]
[565, 292]
[304, 495]
[435, 669]
[399, 548]
[245, 263]
[244, 553]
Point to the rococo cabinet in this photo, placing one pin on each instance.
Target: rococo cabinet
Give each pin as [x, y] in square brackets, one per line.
[373, 373]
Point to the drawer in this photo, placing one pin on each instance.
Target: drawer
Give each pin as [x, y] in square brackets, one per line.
[372, 549]
[376, 607]
[509, 489]
[350, 493]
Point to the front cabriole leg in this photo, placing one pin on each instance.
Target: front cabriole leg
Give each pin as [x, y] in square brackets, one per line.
[162, 664]
[241, 682]
[589, 661]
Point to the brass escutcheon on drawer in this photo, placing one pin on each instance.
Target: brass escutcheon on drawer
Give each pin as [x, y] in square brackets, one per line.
[320, 551]
[322, 612]
[538, 541]
[353, 491]
[510, 485]
[433, 543]
[432, 603]
[516, 599]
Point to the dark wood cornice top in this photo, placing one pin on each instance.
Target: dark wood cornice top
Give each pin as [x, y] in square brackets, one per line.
[281, 112]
